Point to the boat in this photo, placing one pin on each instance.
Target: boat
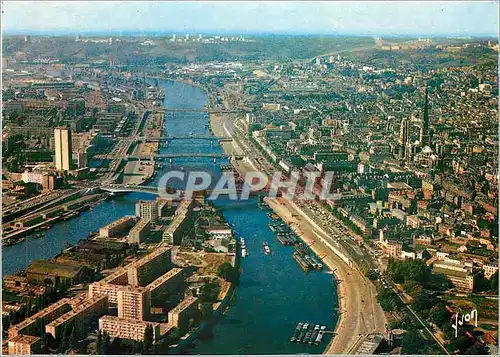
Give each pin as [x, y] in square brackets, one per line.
[297, 332]
[244, 253]
[314, 334]
[309, 332]
[267, 250]
[303, 332]
[321, 332]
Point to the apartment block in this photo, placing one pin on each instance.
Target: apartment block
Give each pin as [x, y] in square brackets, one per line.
[163, 207]
[145, 270]
[110, 285]
[168, 283]
[64, 152]
[29, 325]
[140, 231]
[110, 290]
[85, 312]
[179, 316]
[147, 210]
[134, 303]
[117, 227]
[25, 345]
[173, 233]
[127, 329]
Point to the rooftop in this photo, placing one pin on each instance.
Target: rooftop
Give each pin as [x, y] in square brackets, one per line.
[27, 339]
[78, 309]
[167, 276]
[184, 305]
[49, 267]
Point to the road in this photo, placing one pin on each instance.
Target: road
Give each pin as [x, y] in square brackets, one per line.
[434, 337]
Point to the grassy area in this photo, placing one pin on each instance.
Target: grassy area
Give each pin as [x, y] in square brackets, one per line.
[488, 327]
[487, 308]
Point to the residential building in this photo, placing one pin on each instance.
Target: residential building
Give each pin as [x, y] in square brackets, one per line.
[127, 328]
[139, 232]
[117, 227]
[179, 316]
[25, 345]
[134, 303]
[80, 316]
[64, 152]
[147, 210]
[145, 270]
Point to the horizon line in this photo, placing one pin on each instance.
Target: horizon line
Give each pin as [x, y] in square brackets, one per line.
[164, 33]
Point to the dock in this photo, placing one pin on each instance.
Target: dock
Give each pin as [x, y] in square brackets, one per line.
[305, 260]
[311, 334]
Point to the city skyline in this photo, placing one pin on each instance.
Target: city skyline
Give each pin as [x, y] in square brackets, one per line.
[468, 18]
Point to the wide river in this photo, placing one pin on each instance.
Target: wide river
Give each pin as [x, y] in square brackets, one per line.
[273, 295]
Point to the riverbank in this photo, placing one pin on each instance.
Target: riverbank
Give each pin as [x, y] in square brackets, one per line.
[358, 311]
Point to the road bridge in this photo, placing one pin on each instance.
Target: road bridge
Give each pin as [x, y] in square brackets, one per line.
[196, 137]
[201, 110]
[173, 156]
[119, 188]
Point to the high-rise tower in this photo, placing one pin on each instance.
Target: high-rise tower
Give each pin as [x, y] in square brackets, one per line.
[64, 152]
[425, 132]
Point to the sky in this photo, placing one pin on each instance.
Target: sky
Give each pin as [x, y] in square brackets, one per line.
[446, 18]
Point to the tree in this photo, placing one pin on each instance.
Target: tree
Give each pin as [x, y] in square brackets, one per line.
[494, 282]
[462, 343]
[98, 343]
[477, 349]
[227, 272]
[106, 343]
[148, 339]
[412, 342]
[206, 310]
[132, 249]
[439, 315]
[72, 338]
[209, 292]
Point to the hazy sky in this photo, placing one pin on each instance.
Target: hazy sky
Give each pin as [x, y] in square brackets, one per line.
[306, 17]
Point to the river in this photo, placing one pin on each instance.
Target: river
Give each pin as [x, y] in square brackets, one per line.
[273, 295]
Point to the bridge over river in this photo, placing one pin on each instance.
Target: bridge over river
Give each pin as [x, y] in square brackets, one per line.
[214, 155]
[119, 188]
[191, 137]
